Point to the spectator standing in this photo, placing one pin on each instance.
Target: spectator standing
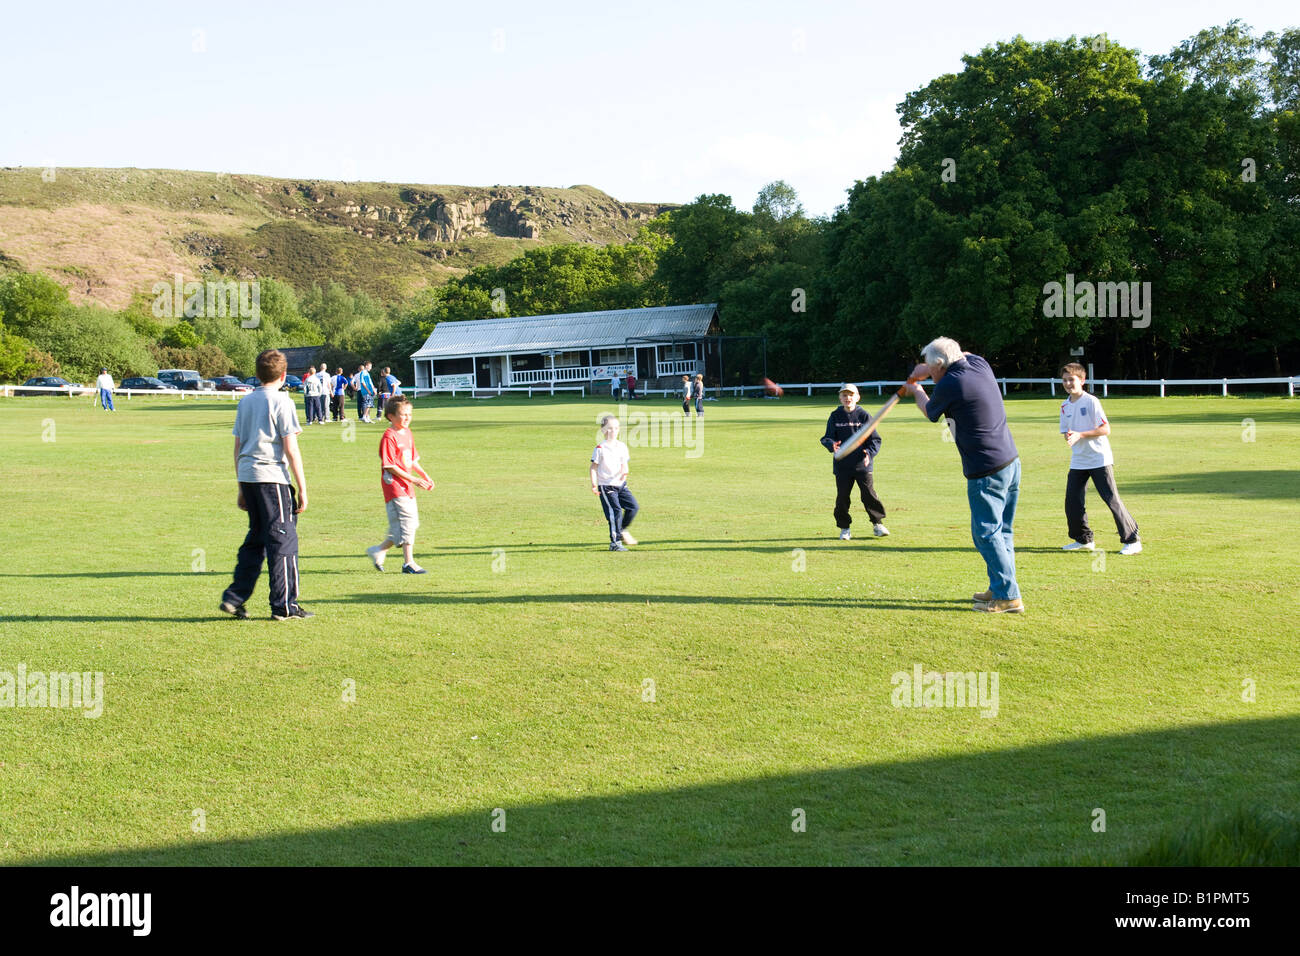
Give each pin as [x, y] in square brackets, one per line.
[312, 396]
[105, 385]
[340, 383]
[365, 393]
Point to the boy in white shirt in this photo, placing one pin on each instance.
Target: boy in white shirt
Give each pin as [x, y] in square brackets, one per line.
[608, 473]
[1085, 428]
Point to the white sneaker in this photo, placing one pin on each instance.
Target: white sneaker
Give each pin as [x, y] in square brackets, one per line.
[376, 556]
[1080, 546]
[1133, 547]
[880, 530]
[845, 535]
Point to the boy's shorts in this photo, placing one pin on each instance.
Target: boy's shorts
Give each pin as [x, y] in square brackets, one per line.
[403, 519]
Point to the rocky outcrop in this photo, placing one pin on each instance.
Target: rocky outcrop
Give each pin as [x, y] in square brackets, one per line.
[515, 212]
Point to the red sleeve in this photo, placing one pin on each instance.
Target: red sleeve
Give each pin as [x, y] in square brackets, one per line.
[389, 454]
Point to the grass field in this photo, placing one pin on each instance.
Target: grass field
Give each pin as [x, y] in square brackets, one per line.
[516, 674]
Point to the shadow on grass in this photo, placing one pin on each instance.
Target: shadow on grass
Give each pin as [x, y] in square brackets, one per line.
[1027, 805]
[826, 543]
[606, 598]
[1262, 483]
[478, 599]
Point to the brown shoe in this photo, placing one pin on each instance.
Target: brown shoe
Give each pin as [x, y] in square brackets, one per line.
[983, 597]
[1013, 606]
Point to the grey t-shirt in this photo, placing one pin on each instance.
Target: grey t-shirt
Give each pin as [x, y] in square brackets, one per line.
[264, 417]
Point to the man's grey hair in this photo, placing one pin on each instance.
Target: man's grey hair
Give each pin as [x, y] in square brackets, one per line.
[941, 352]
[606, 419]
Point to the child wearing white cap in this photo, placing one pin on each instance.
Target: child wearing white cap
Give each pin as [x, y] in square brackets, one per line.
[855, 468]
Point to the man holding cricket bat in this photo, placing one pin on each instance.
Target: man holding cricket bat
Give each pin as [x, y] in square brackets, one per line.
[967, 393]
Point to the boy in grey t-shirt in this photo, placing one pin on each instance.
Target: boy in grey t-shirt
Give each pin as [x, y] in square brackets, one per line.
[266, 452]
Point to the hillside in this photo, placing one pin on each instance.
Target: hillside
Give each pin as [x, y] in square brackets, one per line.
[110, 234]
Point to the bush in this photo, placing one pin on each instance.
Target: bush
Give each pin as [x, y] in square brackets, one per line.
[87, 338]
[29, 301]
[20, 360]
[208, 360]
[180, 336]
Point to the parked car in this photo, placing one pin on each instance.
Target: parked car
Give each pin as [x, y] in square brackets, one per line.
[252, 382]
[180, 377]
[292, 383]
[145, 381]
[229, 383]
[48, 381]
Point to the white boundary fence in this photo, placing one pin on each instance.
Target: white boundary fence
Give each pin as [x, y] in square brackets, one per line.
[1052, 383]
[92, 392]
[545, 388]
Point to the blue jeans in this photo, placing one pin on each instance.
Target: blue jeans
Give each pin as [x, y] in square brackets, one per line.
[992, 512]
[106, 400]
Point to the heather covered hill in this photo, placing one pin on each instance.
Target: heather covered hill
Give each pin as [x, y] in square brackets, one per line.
[109, 234]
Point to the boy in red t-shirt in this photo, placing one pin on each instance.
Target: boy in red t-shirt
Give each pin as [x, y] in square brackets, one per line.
[401, 471]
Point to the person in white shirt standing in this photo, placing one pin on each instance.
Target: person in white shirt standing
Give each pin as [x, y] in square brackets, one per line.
[1084, 425]
[315, 392]
[105, 385]
[608, 473]
[322, 377]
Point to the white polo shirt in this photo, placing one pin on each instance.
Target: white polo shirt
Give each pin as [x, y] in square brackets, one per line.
[611, 458]
[1083, 415]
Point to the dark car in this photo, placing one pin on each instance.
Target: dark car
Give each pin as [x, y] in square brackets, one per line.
[229, 383]
[252, 382]
[146, 381]
[292, 383]
[48, 381]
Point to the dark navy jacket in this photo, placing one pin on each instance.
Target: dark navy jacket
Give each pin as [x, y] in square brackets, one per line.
[839, 427]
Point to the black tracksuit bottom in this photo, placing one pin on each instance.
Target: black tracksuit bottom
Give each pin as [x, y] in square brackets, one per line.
[844, 483]
[619, 507]
[1076, 511]
[273, 537]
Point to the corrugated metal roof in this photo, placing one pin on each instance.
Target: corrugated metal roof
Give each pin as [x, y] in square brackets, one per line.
[567, 331]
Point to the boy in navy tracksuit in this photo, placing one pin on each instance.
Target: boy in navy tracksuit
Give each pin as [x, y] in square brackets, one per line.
[854, 468]
[266, 458]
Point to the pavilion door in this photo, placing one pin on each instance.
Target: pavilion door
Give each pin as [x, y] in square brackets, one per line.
[483, 375]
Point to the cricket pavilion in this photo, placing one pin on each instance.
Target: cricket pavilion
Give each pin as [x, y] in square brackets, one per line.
[659, 345]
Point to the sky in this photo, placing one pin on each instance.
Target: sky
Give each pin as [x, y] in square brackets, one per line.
[654, 101]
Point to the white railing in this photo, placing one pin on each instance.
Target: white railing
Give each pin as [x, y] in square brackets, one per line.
[679, 367]
[92, 391]
[543, 388]
[1052, 383]
[534, 376]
